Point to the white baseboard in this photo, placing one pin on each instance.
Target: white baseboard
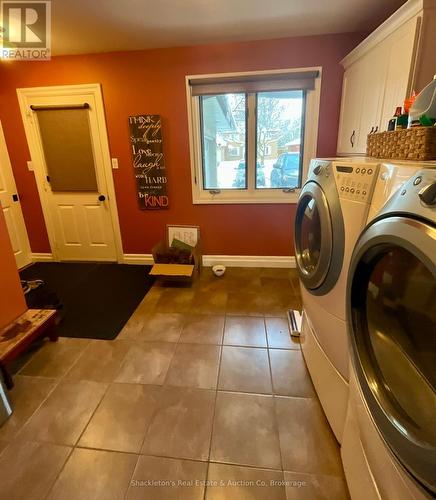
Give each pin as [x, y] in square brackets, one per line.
[41, 257]
[250, 260]
[226, 260]
[208, 260]
[138, 258]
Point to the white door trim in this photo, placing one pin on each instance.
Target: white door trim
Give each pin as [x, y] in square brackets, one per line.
[94, 89]
[5, 160]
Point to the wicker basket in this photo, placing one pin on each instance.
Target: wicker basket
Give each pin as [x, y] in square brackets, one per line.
[418, 143]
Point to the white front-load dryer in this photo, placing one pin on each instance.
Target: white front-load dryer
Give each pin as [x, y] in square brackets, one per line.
[331, 213]
[391, 176]
[389, 442]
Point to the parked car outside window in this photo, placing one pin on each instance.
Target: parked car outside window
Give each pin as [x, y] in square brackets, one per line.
[240, 181]
[286, 171]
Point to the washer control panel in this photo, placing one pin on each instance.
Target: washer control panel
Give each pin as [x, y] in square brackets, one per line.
[355, 181]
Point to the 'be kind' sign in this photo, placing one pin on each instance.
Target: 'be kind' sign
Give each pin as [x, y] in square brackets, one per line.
[148, 161]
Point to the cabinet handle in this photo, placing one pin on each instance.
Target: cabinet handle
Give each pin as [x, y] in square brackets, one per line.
[352, 138]
[371, 131]
[376, 128]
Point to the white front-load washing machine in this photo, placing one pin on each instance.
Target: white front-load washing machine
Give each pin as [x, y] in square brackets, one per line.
[332, 211]
[389, 441]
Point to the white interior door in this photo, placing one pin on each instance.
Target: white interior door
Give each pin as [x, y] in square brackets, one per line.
[73, 173]
[11, 207]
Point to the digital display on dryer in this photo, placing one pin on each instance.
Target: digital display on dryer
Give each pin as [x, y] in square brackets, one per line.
[343, 168]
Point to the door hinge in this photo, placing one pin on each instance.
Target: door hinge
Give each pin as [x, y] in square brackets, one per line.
[15, 197]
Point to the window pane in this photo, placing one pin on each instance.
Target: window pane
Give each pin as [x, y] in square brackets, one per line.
[279, 142]
[66, 139]
[223, 139]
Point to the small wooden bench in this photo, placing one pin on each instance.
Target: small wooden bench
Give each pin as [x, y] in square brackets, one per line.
[16, 337]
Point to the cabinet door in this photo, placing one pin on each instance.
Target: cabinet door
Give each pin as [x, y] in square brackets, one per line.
[352, 92]
[373, 80]
[400, 66]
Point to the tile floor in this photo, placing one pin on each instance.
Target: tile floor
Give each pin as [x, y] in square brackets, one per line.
[202, 395]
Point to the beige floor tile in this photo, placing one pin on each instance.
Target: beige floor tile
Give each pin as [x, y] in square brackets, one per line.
[208, 282]
[245, 303]
[243, 331]
[148, 303]
[64, 414]
[3, 445]
[146, 363]
[28, 469]
[26, 396]
[244, 483]
[183, 479]
[275, 272]
[122, 418]
[278, 335]
[315, 487]
[289, 374]
[194, 365]
[278, 302]
[245, 369]
[175, 300]
[306, 441]
[203, 329]
[277, 284]
[182, 425]
[209, 302]
[245, 431]
[54, 359]
[101, 361]
[133, 327]
[162, 327]
[94, 474]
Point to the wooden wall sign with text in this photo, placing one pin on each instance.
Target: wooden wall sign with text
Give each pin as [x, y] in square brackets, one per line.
[148, 161]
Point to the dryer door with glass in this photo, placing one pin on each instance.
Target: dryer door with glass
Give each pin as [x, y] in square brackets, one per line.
[319, 237]
[392, 318]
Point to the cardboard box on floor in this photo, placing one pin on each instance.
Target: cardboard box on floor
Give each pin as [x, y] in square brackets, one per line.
[184, 273]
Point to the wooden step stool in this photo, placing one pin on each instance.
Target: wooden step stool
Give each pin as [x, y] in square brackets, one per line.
[16, 337]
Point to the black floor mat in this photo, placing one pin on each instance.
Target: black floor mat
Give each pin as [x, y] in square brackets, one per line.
[97, 298]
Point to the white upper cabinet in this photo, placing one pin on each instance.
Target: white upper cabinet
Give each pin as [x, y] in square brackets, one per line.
[350, 114]
[400, 68]
[383, 70]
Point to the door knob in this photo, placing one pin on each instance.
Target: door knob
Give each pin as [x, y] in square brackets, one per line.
[102, 197]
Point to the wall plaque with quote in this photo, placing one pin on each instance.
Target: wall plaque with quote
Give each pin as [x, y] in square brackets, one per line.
[148, 161]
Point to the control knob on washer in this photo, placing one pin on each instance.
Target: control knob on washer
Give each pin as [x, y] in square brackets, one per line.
[428, 194]
[317, 170]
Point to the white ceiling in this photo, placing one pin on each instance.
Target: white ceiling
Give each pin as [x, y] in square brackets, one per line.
[87, 26]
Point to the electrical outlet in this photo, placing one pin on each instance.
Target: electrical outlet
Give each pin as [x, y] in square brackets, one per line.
[30, 166]
[115, 163]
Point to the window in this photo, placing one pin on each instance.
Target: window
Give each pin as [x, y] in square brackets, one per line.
[252, 135]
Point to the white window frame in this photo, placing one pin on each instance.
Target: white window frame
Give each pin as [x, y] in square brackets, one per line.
[251, 195]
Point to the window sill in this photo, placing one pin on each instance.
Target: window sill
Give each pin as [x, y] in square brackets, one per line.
[227, 199]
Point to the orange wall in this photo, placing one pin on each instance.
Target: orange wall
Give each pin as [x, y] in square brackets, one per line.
[12, 302]
[153, 81]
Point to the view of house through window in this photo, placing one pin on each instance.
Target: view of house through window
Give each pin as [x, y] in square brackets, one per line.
[276, 139]
[279, 117]
[223, 131]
